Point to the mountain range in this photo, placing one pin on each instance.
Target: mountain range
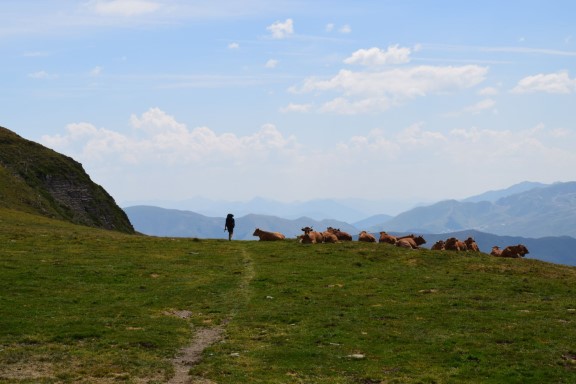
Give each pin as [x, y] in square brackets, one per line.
[544, 210]
[542, 215]
[37, 180]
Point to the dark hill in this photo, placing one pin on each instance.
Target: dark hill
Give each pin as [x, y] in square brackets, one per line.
[38, 180]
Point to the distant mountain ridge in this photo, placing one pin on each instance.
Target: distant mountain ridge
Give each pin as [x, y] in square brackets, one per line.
[172, 222]
[492, 196]
[38, 180]
[347, 210]
[527, 209]
[545, 210]
[542, 216]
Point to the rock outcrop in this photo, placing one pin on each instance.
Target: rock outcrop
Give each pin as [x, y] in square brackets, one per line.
[39, 180]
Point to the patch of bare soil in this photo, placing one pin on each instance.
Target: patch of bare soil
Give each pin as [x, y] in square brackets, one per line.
[192, 354]
[23, 371]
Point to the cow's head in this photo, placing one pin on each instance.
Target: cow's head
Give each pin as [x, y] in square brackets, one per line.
[419, 240]
[522, 250]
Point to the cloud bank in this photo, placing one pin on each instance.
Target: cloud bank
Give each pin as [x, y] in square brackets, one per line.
[270, 162]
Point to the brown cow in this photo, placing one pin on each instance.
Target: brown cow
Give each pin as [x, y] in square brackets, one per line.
[410, 241]
[438, 246]
[342, 236]
[471, 245]
[453, 244]
[496, 251]
[268, 236]
[386, 238]
[330, 237]
[515, 251]
[311, 237]
[366, 237]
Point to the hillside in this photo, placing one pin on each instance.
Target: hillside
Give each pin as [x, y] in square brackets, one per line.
[538, 212]
[84, 305]
[38, 180]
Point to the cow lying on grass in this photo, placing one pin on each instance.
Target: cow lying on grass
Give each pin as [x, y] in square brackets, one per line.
[410, 241]
[366, 237]
[311, 237]
[453, 244]
[342, 236]
[268, 236]
[328, 236]
[387, 238]
[511, 251]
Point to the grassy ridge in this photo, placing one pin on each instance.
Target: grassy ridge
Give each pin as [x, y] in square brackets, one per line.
[84, 305]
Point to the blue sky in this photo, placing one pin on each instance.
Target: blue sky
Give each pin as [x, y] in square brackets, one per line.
[404, 101]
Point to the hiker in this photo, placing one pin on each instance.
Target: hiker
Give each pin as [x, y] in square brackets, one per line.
[229, 226]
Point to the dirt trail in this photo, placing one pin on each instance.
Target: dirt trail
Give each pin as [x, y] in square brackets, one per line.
[192, 354]
[205, 337]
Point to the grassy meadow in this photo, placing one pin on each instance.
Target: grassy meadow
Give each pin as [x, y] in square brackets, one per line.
[81, 305]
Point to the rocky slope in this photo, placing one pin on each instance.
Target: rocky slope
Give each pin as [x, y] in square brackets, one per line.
[39, 180]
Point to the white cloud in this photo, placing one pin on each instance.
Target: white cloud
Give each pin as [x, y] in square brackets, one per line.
[96, 71]
[345, 106]
[42, 75]
[100, 143]
[345, 29]
[488, 91]
[160, 139]
[292, 107]
[163, 151]
[123, 7]
[471, 155]
[281, 30]
[272, 63]
[234, 46]
[379, 90]
[156, 120]
[417, 136]
[376, 56]
[482, 105]
[559, 82]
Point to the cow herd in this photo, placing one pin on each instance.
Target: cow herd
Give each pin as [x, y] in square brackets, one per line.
[335, 235]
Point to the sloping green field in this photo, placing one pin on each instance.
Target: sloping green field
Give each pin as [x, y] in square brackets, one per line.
[80, 305]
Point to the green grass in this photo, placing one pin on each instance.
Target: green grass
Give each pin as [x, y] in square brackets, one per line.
[83, 305]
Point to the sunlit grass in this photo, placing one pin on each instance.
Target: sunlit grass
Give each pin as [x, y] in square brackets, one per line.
[84, 305]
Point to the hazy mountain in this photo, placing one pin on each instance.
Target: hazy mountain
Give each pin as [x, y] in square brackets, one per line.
[492, 196]
[347, 210]
[171, 222]
[538, 212]
[373, 222]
